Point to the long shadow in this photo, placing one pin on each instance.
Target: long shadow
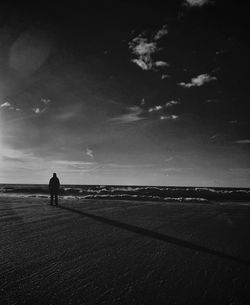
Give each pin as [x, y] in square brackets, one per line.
[159, 236]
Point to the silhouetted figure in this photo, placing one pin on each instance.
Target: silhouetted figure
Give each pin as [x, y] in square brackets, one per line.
[54, 185]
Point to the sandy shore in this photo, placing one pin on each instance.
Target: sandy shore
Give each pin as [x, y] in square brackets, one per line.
[120, 252]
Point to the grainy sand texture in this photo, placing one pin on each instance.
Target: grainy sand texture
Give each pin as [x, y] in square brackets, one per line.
[123, 252]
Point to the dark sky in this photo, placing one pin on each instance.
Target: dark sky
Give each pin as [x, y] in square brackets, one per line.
[125, 92]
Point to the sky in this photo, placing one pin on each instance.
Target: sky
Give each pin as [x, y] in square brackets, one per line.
[125, 92]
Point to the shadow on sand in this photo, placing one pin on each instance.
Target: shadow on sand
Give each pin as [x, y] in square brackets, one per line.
[158, 236]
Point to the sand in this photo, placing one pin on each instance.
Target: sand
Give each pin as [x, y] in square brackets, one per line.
[123, 252]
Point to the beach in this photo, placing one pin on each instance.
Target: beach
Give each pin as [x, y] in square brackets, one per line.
[123, 252]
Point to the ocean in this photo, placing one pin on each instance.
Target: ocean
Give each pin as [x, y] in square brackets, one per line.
[145, 193]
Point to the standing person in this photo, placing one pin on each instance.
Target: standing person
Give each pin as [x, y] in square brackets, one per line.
[54, 185]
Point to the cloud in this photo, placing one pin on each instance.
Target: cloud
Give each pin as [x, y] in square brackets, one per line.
[164, 76]
[246, 141]
[143, 47]
[171, 103]
[159, 107]
[198, 81]
[40, 108]
[133, 116]
[37, 110]
[58, 165]
[161, 63]
[196, 2]
[89, 152]
[125, 166]
[5, 105]
[15, 155]
[155, 108]
[44, 106]
[169, 117]
[74, 163]
[162, 32]
[45, 101]
[142, 64]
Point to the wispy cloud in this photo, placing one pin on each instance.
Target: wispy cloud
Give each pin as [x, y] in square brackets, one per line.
[74, 163]
[16, 154]
[163, 109]
[162, 32]
[155, 108]
[14, 158]
[160, 107]
[160, 64]
[133, 115]
[176, 169]
[142, 64]
[171, 103]
[245, 141]
[39, 164]
[125, 166]
[196, 2]
[90, 153]
[38, 110]
[26, 160]
[198, 81]
[7, 105]
[43, 107]
[164, 76]
[169, 117]
[172, 170]
[215, 136]
[143, 47]
[4, 105]
[45, 101]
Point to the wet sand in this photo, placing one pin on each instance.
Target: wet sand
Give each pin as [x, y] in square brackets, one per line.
[123, 252]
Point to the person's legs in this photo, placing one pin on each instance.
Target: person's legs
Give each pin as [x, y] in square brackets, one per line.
[56, 199]
[51, 199]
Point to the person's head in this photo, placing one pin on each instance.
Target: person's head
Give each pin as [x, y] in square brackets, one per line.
[54, 174]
